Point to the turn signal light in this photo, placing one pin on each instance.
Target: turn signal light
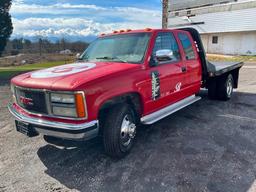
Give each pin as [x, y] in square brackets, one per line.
[80, 105]
[148, 29]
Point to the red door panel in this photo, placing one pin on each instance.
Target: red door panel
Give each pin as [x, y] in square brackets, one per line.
[167, 78]
[192, 81]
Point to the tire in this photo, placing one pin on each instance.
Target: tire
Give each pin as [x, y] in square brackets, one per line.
[212, 90]
[119, 131]
[225, 88]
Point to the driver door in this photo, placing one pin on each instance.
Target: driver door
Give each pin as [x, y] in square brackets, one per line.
[167, 78]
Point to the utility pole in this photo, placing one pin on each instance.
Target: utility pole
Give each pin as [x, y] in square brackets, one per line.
[165, 4]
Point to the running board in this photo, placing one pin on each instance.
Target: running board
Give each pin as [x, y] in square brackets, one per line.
[158, 115]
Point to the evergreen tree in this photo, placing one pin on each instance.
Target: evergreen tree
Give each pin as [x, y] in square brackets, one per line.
[5, 23]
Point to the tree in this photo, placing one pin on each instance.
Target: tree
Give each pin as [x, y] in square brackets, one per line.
[27, 44]
[17, 44]
[40, 43]
[5, 23]
[63, 43]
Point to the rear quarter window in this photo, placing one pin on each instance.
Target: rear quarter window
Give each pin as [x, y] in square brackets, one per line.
[187, 46]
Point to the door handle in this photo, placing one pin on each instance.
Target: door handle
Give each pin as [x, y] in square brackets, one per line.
[183, 69]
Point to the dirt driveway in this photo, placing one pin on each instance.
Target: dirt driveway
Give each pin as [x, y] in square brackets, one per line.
[209, 146]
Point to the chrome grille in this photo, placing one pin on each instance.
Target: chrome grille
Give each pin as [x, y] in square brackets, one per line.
[32, 100]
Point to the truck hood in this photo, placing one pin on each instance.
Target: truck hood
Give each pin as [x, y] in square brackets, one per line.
[70, 76]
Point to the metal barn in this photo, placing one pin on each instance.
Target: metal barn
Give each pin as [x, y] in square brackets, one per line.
[225, 27]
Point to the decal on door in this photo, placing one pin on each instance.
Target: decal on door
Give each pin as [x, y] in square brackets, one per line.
[155, 85]
[63, 70]
[178, 87]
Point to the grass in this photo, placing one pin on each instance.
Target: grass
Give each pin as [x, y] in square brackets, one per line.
[248, 59]
[8, 72]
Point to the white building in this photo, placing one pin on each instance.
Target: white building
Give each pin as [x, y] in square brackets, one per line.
[65, 52]
[226, 27]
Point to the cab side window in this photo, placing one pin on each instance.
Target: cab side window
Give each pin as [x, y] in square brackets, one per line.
[187, 46]
[166, 40]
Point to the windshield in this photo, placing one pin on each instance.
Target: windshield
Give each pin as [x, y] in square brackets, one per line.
[127, 48]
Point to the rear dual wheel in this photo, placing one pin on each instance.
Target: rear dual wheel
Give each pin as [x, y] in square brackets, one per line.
[119, 130]
[225, 88]
[222, 88]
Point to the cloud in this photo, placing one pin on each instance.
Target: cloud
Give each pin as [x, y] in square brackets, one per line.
[57, 23]
[46, 27]
[18, 2]
[91, 22]
[58, 26]
[80, 6]
[18, 7]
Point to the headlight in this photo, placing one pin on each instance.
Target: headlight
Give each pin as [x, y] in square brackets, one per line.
[61, 98]
[64, 111]
[68, 105]
[13, 93]
[12, 88]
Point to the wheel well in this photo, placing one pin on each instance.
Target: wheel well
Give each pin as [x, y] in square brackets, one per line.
[234, 73]
[133, 99]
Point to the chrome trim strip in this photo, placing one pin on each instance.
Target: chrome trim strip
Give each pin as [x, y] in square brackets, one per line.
[84, 136]
[45, 90]
[46, 123]
[162, 113]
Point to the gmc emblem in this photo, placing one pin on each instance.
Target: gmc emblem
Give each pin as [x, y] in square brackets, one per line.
[26, 101]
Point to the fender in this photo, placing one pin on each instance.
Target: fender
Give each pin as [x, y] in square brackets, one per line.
[133, 98]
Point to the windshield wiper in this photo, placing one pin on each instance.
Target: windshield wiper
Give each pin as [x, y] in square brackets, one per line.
[106, 57]
[112, 59]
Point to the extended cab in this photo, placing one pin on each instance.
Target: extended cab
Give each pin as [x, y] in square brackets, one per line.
[122, 79]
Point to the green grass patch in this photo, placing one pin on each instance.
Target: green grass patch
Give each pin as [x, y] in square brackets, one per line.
[248, 59]
[8, 72]
[34, 66]
[6, 75]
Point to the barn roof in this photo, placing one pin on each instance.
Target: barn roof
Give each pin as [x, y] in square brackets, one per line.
[218, 20]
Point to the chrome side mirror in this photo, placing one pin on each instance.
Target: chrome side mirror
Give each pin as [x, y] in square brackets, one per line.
[78, 56]
[165, 55]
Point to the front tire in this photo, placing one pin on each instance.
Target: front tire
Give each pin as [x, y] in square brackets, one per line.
[119, 131]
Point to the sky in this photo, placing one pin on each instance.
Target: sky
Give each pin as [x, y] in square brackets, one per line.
[81, 19]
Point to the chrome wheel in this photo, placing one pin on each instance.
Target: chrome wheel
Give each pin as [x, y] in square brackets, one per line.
[128, 131]
[119, 130]
[229, 87]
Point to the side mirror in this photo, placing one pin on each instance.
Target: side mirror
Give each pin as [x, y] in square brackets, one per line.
[165, 55]
[78, 56]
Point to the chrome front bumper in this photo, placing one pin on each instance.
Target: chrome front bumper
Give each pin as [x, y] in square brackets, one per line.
[84, 131]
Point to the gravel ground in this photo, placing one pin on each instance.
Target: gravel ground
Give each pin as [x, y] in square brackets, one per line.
[209, 146]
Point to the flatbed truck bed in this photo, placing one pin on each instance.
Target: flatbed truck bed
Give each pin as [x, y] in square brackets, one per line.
[221, 67]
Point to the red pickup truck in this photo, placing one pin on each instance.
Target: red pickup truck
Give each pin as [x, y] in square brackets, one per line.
[123, 79]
